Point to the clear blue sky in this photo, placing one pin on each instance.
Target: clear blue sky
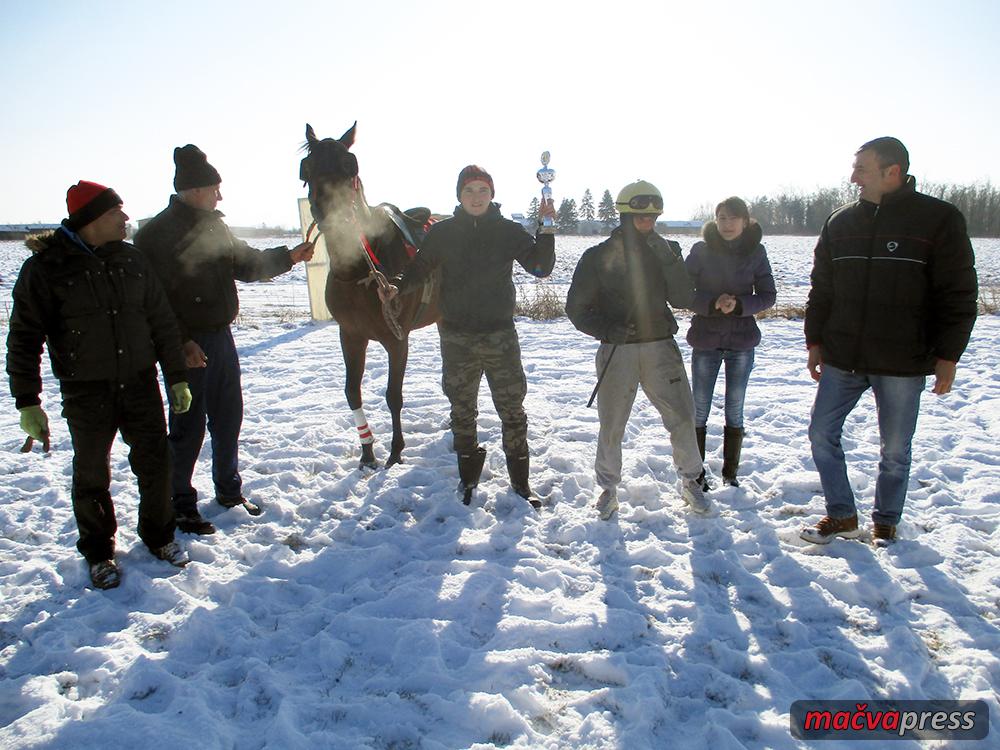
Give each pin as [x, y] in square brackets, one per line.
[705, 99]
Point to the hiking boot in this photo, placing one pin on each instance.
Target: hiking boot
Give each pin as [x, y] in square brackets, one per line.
[105, 574]
[607, 504]
[172, 553]
[693, 495]
[234, 502]
[829, 528]
[883, 534]
[193, 523]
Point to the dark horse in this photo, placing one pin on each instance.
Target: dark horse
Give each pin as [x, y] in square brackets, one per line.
[364, 242]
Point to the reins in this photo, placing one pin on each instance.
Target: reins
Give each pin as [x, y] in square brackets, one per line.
[392, 308]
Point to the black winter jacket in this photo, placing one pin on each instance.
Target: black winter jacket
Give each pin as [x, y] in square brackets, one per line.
[101, 313]
[199, 260]
[476, 256]
[894, 285]
[613, 287]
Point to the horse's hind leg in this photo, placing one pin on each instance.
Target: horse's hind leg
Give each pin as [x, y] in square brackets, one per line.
[397, 351]
[354, 350]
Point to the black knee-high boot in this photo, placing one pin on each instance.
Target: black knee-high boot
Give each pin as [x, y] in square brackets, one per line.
[517, 469]
[732, 445]
[470, 468]
[699, 433]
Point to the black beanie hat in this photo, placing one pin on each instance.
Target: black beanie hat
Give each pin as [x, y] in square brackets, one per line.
[193, 169]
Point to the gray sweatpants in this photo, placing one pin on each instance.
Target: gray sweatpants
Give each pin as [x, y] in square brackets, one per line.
[659, 368]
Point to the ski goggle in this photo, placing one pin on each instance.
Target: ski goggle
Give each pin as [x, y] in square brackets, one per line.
[640, 202]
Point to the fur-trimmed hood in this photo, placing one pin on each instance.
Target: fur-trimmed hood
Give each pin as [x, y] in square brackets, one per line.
[41, 241]
[750, 238]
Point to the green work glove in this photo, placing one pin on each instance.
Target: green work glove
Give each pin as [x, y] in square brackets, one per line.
[180, 397]
[34, 422]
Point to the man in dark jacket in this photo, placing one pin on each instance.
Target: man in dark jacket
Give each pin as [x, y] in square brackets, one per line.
[198, 260]
[476, 250]
[93, 300]
[621, 294]
[893, 300]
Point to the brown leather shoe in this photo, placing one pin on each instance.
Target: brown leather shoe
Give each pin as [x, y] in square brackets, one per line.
[829, 528]
[883, 534]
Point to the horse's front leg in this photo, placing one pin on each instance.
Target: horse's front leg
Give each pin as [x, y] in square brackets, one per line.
[354, 349]
[397, 351]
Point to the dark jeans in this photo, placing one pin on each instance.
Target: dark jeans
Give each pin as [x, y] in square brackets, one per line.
[705, 364]
[95, 412]
[216, 398]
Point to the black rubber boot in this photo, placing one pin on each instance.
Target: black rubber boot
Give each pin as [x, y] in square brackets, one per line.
[699, 433]
[470, 468]
[517, 470]
[732, 445]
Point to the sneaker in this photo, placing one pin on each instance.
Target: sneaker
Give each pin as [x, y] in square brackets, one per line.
[692, 494]
[829, 528]
[105, 574]
[607, 504]
[193, 523]
[232, 502]
[172, 553]
[883, 534]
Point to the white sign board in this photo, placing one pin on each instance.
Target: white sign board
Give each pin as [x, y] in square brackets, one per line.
[317, 268]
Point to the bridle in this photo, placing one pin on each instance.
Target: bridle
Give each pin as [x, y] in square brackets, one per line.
[392, 308]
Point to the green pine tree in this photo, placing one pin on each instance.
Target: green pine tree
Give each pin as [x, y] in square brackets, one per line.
[567, 218]
[606, 212]
[587, 206]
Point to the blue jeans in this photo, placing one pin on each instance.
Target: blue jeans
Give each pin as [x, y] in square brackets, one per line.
[216, 399]
[897, 401]
[705, 364]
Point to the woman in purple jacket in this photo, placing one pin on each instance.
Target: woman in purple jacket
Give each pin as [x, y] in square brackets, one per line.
[733, 282]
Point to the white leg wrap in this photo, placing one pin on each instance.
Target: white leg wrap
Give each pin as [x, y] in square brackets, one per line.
[364, 431]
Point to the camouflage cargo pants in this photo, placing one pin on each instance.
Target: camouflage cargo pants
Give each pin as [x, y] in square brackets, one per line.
[465, 357]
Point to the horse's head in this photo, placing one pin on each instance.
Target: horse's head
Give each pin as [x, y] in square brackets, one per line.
[331, 172]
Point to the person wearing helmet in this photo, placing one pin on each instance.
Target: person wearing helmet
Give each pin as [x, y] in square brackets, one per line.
[621, 294]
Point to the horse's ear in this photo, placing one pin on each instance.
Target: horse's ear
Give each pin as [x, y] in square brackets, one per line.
[348, 138]
[310, 134]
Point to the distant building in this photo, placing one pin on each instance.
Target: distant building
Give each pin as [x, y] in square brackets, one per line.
[20, 231]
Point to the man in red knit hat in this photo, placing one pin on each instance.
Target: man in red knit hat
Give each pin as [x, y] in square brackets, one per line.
[476, 250]
[93, 300]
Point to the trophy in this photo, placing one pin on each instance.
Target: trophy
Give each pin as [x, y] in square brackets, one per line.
[546, 176]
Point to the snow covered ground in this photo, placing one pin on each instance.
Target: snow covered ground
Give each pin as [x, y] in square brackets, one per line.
[379, 612]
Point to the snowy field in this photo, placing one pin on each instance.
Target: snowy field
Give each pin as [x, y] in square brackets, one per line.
[379, 612]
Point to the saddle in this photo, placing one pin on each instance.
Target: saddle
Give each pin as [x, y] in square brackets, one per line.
[413, 224]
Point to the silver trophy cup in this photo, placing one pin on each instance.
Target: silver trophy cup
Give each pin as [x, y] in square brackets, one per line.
[545, 176]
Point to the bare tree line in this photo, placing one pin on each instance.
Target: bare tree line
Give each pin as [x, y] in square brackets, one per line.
[794, 212]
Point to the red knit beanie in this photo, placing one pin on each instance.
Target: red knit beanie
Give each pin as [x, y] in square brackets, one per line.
[471, 173]
[87, 201]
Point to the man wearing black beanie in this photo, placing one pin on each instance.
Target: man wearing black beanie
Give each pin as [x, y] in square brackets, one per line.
[199, 260]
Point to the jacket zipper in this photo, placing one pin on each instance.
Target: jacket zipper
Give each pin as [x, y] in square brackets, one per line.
[868, 282]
